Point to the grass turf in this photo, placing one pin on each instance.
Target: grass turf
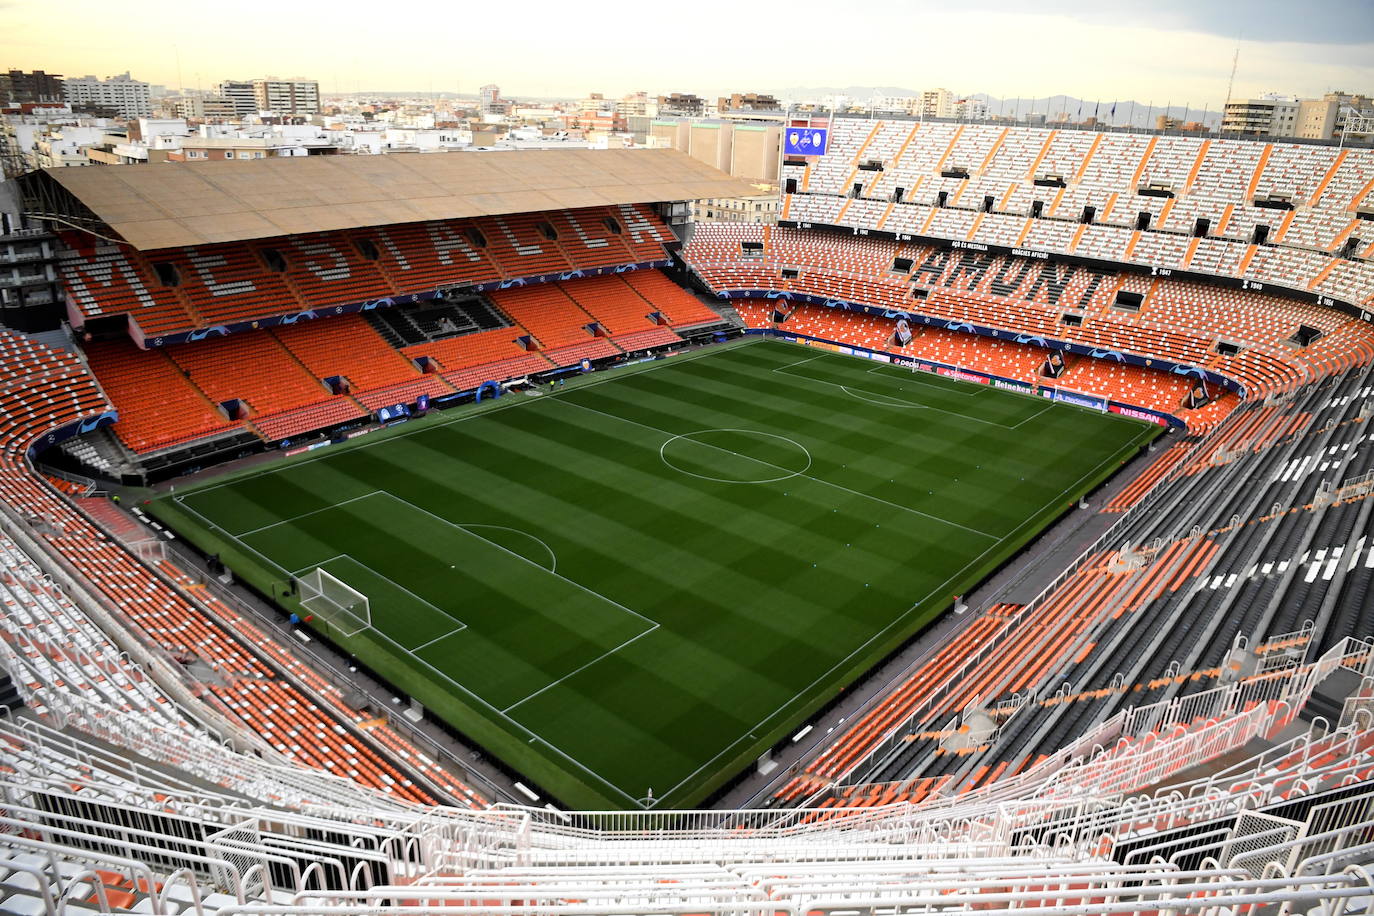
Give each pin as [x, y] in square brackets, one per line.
[646, 580]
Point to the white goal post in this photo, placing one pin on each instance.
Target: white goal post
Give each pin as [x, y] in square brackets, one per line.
[345, 608]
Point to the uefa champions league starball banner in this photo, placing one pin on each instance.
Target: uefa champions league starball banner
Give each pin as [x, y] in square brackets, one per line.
[804, 141]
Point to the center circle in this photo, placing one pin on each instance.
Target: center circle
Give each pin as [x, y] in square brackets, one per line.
[735, 456]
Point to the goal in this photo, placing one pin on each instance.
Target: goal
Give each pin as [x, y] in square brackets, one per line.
[345, 609]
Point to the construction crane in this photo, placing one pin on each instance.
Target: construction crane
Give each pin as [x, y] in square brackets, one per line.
[1230, 84]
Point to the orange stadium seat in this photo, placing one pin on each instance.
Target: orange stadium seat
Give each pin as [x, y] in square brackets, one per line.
[104, 280]
[563, 331]
[228, 283]
[158, 404]
[177, 290]
[681, 308]
[471, 359]
[622, 311]
[348, 346]
[252, 367]
[1179, 321]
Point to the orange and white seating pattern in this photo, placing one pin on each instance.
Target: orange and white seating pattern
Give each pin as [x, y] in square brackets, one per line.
[182, 289]
[1212, 185]
[1177, 320]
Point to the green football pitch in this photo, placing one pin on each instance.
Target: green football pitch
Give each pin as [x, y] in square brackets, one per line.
[642, 582]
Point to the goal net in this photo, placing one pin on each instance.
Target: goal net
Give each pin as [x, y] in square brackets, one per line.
[345, 609]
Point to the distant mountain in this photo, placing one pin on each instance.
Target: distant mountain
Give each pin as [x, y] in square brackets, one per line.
[1136, 114]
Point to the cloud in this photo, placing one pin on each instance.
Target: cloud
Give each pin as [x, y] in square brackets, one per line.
[1339, 22]
[1168, 49]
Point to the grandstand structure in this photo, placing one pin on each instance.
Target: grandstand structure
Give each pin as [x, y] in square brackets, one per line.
[1242, 264]
[1181, 719]
[432, 298]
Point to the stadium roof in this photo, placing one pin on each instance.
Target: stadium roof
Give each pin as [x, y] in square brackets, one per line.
[174, 204]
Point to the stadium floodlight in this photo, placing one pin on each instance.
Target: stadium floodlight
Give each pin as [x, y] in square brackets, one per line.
[344, 608]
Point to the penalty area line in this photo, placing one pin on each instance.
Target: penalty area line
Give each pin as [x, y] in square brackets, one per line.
[604, 655]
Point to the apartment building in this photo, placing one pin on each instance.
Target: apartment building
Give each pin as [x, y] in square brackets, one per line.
[35, 87]
[199, 149]
[683, 104]
[762, 209]
[1269, 116]
[29, 290]
[1336, 114]
[122, 95]
[239, 94]
[287, 97]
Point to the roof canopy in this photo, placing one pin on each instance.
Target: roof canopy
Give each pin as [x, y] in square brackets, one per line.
[175, 204]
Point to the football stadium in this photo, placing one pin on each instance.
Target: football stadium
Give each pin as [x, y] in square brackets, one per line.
[991, 533]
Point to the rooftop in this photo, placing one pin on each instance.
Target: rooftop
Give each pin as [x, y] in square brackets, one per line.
[205, 203]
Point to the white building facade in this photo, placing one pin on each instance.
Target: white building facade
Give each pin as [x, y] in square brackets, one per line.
[126, 96]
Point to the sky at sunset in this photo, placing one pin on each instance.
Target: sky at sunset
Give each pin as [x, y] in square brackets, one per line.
[1168, 49]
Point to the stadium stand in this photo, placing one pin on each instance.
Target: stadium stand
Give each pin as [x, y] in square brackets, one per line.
[682, 310]
[1179, 321]
[1240, 529]
[254, 368]
[621, 311]
[467, 361]
[162, 407]
[224, 283]
[1180, 722]
[47, 389]
[1207, 198]
[350, 349]
[178, 395]
[1304, 797]
[103, 280]
[183, 289]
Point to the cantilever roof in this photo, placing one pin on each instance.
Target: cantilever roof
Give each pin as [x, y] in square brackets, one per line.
[173, 204]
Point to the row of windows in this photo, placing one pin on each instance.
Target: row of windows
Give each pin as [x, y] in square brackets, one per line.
[228, 154]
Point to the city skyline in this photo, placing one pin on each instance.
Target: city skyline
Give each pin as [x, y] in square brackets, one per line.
[1176, 51]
